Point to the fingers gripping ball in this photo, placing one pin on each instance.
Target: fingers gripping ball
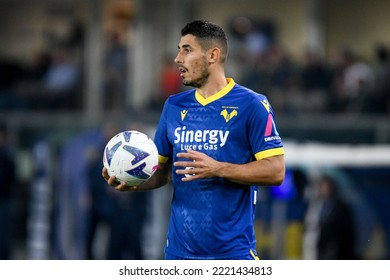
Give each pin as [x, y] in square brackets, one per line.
[131, 156]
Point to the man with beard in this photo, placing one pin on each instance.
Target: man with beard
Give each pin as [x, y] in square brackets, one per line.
[218, 142]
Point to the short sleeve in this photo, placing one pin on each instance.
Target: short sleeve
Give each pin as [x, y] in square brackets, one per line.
[263, 134]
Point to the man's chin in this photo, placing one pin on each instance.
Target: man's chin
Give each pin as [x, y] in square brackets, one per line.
[194, 83]
[188, 83]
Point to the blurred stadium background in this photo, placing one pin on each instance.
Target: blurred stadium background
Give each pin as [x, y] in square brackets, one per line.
[73, 73]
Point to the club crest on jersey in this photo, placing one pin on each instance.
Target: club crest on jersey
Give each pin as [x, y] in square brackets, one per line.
[183, 114]
[228, 116]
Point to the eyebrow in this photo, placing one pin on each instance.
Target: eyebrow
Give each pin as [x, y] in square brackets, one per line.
[185, 46]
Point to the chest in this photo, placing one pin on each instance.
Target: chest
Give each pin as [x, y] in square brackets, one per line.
[205, 128]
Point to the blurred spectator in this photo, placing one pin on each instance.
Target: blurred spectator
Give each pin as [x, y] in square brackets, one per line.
[315, 74]
[102, 204]
[296, 209]
[51, 82]
[281, 67]
[123, 214]
[315, 81]
[126, 226]
[279, 76]
[10, 73]
[249, 36]
[116, 73]
[128, 220]
[379, 102]
[59, 83]
[7, 188]
[25, 84]
[76, 37]
[329, 226]
[250, 40]
[354, 81]
[40, 65]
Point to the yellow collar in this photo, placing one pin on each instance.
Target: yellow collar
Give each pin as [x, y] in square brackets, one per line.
[219, 94]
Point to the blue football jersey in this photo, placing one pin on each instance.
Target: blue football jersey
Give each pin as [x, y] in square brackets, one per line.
[213, 218]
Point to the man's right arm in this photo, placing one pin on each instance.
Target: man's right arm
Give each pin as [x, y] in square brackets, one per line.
[159, 178]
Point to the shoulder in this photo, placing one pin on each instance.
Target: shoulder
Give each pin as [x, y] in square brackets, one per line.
[252, 99]
[178, 100]
[180, 97]
[248, 93]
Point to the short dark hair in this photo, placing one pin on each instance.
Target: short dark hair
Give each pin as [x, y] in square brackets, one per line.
[209, 35]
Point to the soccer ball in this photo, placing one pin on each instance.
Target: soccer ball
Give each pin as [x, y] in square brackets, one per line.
[131, 156]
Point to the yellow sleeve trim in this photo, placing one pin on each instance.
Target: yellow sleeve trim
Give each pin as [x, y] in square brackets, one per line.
[269, 153]
[162, 159]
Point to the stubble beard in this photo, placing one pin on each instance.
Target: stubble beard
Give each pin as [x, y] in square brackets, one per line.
[201, 81]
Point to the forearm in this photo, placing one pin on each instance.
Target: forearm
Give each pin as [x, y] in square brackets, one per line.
[159, 178]
[265, 172]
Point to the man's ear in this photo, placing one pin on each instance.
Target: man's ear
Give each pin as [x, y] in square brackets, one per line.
[214, 55]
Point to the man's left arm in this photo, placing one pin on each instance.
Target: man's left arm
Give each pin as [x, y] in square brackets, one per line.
[269, 171]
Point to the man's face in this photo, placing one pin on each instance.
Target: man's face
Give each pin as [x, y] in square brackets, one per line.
[192, 62]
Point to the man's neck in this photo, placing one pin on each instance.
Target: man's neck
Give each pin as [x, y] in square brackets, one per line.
[213, 86]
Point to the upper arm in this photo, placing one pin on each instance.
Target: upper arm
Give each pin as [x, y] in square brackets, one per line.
[262, 131]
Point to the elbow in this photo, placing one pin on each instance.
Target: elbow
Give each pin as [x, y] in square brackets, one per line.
[279, 175]
[275, 180]
[279, 179]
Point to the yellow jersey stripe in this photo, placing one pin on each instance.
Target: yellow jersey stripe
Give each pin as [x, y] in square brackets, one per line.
[269, 153]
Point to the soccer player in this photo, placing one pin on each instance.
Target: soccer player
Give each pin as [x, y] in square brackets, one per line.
[217, 141]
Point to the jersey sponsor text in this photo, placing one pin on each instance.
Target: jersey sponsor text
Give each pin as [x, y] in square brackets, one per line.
[193, 138]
